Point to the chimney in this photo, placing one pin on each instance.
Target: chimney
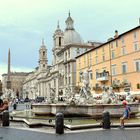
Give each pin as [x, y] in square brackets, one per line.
[116, 34]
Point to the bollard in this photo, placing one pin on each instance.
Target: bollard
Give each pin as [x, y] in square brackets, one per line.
[106, 120]
[5, 118]
[59, 123]
[14, 106]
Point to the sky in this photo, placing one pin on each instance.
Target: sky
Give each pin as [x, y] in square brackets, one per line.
[23, 24]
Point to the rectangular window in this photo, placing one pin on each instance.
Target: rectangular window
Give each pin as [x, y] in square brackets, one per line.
[85, 60]
[66, 69]
[97, 73]
[90, 75]
[122, 40]
[137, 65]
[124, 68]
[66, 80]
[66, 56]
[135, 46]
[103, 50]
[80, 76]
[123, 51]
[116, 43]
[90, 59]
[114, 72]
[113, 54]
[79, 63]
[69, 80]
[135, 35]
[96, 52]
[96, 59]
[69, 53]
[103, 57]
[69, 68]
[112, 45]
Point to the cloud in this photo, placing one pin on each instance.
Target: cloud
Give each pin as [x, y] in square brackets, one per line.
[11, 30]
[24, 22]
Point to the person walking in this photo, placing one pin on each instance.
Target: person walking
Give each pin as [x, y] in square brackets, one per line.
[126, 114]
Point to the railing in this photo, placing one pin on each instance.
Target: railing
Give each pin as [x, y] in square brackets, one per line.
[103, 76]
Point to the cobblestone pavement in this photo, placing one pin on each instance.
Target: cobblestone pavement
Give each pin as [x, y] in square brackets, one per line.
[47, 134]
[19, 131]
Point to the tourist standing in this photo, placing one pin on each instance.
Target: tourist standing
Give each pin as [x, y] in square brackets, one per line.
[126, 114]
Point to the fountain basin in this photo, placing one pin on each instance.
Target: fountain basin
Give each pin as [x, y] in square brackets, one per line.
[41, 109]
[115, 110]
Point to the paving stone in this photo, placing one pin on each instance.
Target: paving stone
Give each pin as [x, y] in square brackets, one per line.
[94, 134]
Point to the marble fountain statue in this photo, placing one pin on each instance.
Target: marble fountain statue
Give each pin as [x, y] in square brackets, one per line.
[84, 103]
[8, 94]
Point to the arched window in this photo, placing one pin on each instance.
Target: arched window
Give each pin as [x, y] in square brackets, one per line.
[43, 53]
[59, 41]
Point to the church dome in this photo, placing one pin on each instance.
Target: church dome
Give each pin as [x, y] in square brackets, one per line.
[70, 35]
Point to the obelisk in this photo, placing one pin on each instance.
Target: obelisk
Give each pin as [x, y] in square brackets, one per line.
[9, 72]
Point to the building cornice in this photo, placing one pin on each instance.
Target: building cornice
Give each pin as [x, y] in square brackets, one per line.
[68, 61]
[74, 45]
[113, 39]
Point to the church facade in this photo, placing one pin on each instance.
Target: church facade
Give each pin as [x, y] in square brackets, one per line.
[58, 79]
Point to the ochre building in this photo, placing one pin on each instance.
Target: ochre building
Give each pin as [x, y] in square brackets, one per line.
[115, 63]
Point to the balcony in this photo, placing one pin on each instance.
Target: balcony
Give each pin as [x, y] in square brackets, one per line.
[103, 76]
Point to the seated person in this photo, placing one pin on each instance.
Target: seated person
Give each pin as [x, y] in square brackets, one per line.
[4, 106]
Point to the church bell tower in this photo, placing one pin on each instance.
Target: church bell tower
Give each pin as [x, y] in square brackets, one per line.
[58, 38]
[43, 61]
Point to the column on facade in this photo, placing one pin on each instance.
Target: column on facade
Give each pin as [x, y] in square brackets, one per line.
[57, 88]
[39, 89]
[69, 52]
[50, 88]
[46, 89]
[65, 82]
[73, 77]
[70, 75]
[43, 89]
[67, 74]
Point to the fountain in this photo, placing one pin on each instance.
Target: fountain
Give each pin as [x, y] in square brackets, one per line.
[85, 104]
